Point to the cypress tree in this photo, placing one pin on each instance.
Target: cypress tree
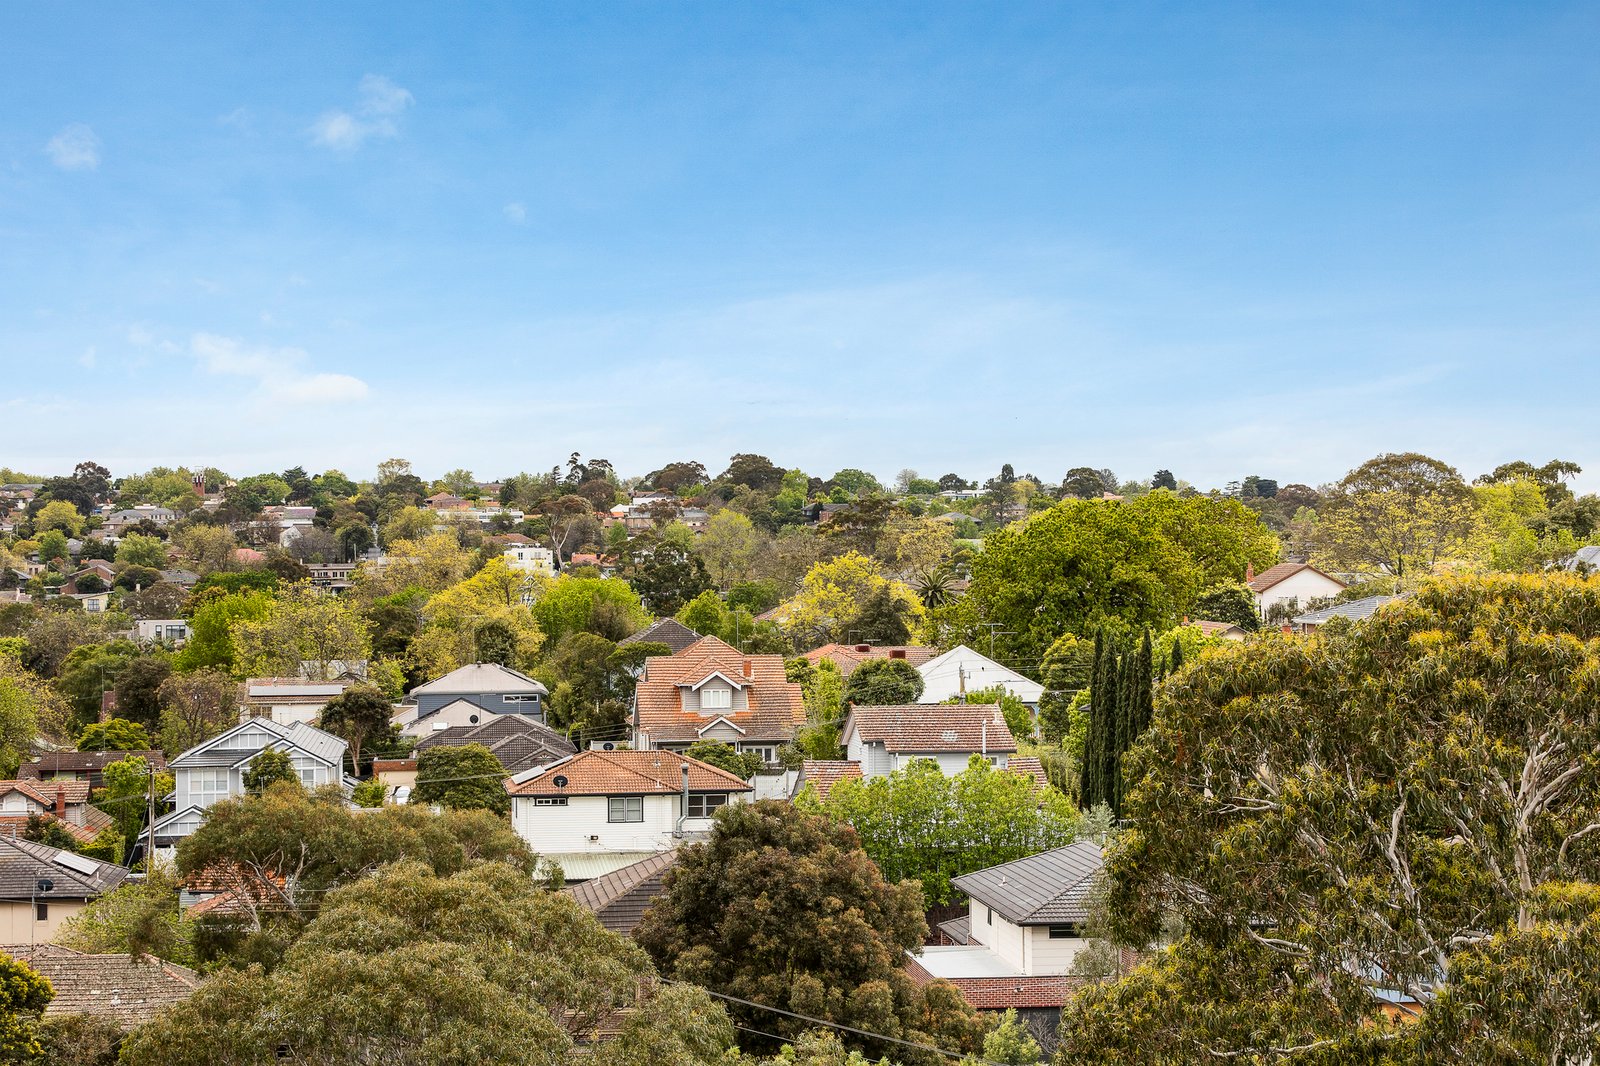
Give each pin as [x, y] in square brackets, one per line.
[1146, 706]
[1177, 655]
[1116, 741]
[1088, 780]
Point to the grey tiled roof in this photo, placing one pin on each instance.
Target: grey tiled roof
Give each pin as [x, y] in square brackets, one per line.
[519, 742]
[619, 898]
[669, 631]
[477, 678]
[1052, 886]
[24, 863]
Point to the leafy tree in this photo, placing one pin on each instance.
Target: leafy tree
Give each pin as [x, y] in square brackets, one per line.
[79, 1040]
[136, 549]
[1403, 800]
[508, 973]
[754, 471]
[829, 602]
[58, 515]
[125, 795]
[455, 619]
[1163, 479]
[24, 994]
[196, 706]
[1010, 1042]
[745, 764]
[52, 546]
[90, 671]
[730, 546]
[606, 607]
[45, 829]
[207, 548]
[883, 682]
[1232, 602]
[1018, 717]
[464, 777]
[785, 909]
[953, 482]
[212, 626]
[358, 714]
[918, 823]
[666, 575]
[138, 687]
[114, 734]
[1086, 483]
[27, 704]
[269, 768]
[1402, 513]
[300, 626]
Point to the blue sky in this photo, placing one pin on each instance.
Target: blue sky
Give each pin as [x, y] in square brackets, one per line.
[1224, 239]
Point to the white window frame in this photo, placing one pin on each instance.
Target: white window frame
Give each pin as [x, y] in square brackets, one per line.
[768, 752]
[706, 804]
[308, 776]
[209, 784]
[716, 698]
[549, 801]
[629, 806]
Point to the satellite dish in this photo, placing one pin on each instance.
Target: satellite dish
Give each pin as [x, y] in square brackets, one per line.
[560, 781]
[608, 746]
[46, 885]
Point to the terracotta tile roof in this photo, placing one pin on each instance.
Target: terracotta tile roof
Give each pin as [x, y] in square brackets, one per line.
[619, 898]
[998, 993]
[1215, 629]
[849, 656]
[54, 763]
[393, 766]
[631, 773]
[127, 990]
[936, 727]
[775, 707]
[1282, 572]
[34, 790]
[1028, 766]
[823, 774]
[14, 825]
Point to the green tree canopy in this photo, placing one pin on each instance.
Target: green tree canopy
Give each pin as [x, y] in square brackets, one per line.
[360, 714]
[1406, 802]
[462, 777]
[740, 763]
[784, 908]
[114, 734]
[24, 994]
[883, 682]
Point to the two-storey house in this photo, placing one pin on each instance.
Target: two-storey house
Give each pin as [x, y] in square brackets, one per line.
[469, 694]
[712, 691]
[885, 739]
[214, 770]
[598, 811]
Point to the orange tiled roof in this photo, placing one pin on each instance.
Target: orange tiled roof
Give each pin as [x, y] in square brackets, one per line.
[1282, 572]
[925, 727]
[630, 773]
[823, 774]
[849, 656]
[775, 707]
[1028, 766]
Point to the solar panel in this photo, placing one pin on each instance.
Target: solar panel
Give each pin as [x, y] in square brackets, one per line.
[73, 861]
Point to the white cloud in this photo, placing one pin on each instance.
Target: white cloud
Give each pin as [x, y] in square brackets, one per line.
[74, 148]
[277, 371]
[516, 213]
[376, 114]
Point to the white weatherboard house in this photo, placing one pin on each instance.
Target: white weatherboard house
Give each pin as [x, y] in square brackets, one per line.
[1299, 583]
[962, 670]
[885, 739]
[214, 770]
[598, 811]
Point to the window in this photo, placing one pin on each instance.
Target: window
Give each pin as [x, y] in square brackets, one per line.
[705, 804]
[716, 698]
[208, 785]
[625, 809]
[533, 698]
[308, 778]
[41, 912]
[550, 801]
[766, 751]
[988, 915]
[1063, 932]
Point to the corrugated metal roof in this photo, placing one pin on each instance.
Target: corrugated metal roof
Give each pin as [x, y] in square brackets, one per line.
[1355, 610]
[1042, 889]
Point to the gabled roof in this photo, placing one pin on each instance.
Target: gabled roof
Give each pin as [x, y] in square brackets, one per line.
[980, 671]
[1282, 572]
[775, 709]
[24, 863]
[81, 762]
[306, 738]
[619, 898]
[928, 728]
[478, 678]
[126, 989]
[823, 774]
[1048, 888]
[1355, 610]
[1029, 766]
[669, 631]
[627, 773]
[519, 742]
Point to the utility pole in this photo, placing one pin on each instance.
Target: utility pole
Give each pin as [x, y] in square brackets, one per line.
[150, 828]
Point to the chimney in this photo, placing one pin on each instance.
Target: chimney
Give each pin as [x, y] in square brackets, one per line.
[61, 803]
[747, 669]
[897, 653]
[1249, 572]
[1288, 630]
[863, 648]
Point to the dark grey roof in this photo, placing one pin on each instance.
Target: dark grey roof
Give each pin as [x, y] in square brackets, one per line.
[1355, 610]
[519, 742]
[619, 898]
[24, 863]
[669, 631]
[1052, 886]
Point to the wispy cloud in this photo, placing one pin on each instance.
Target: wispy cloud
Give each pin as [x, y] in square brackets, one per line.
[376, 114]
[516, 213]
[74, 148]
[279, 372]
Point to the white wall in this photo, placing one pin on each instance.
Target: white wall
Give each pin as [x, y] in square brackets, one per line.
[950, 762]
[566, 830]
[1304, 586]
[1047, 956]
[1002, 938]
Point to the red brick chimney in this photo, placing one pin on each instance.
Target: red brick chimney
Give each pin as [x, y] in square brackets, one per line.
[1249, 572]
[61, 803]
[747, 669]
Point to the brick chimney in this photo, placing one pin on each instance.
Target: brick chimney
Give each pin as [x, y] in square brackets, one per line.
[863, 648]
[61, 803]
[746, 668]
[1249, 572]
[897, 653]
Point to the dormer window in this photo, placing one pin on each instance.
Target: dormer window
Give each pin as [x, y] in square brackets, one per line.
[716, 698]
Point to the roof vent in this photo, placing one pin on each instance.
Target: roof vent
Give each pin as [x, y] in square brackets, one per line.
[949, 736]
